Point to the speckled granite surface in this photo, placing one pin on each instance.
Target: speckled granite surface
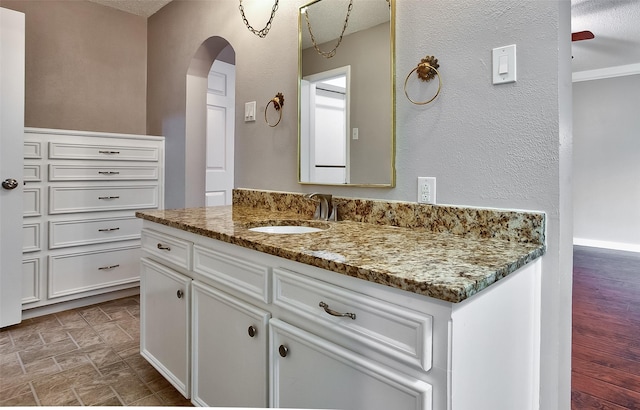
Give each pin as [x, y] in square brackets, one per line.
[433, 260]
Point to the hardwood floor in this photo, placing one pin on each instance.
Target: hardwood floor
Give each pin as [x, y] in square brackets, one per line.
[606, 329]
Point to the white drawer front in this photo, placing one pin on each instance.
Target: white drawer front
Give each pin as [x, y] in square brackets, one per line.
[64, 200]
[391, 329]
[32, 150]
[65, 172]
[32, 173]
[63, 234]
[30, 280]
[168, 248]
[86, 271]
[246, 277]
[106, 151]
[31, 237]
[31, 202]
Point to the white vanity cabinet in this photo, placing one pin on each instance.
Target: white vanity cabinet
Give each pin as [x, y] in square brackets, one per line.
[307, 371]
[268, 331]
[164, 318]
[81, 239]
[229, 350]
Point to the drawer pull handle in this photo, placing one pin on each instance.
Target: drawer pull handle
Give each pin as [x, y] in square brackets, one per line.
[108, 267]
[335, 313]
[283, 350]
[163, 247]
[108, 197]
[108, 172]
[108, 229]
[179, 294]
[109, 152]
[252, 331]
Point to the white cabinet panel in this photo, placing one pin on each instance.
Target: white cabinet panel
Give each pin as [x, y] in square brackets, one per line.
[106, 172]
[32, 173]
[31, 202]
[165, 323]
[103, 150]
[77, 232]
[230, 340]
[84, 271]
[101, 198]
[31, 237]
[245, 276]
[395, 331]
[32, 150]
[30, 280]
[309, 372]
[167, 248]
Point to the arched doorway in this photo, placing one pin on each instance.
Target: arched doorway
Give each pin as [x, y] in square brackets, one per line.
[209, 124]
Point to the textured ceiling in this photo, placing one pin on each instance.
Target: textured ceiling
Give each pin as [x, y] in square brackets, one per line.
[616, 26]
[144, 8]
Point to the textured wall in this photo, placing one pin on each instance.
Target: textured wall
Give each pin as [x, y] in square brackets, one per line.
[506, 146]
[606, 167]
[85, 66]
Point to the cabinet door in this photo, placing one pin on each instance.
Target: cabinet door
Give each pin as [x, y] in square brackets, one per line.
[164, 322]
[229, 350]
[310, 372]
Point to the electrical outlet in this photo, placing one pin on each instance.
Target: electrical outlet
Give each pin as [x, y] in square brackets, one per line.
[427, 190]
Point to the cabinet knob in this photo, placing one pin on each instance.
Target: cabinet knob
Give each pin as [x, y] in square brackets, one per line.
[252, 331]
[179, 294]
[283, 350]
[10, 183]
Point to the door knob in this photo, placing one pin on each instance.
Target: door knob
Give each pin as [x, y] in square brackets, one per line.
[9, 183]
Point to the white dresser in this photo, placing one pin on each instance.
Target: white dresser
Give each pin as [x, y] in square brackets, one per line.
[81, 240]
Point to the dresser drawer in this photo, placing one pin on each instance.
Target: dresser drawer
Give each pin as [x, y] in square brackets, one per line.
[69, 172]
[32, 150]
[30, 280]
[64, 234]
[106, 150]
[390, 329]
[64, 200]
[85, 271]
[246, 277]
[167, 248]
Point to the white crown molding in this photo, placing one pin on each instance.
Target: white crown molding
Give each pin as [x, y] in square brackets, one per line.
[609, 72]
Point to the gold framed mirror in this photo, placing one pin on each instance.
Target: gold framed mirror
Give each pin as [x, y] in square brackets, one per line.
[346, 102]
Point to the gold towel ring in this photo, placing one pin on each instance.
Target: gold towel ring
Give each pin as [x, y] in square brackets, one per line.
[427, 69]
[278, 103]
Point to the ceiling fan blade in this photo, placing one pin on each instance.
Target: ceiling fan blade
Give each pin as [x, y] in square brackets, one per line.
[582, 35]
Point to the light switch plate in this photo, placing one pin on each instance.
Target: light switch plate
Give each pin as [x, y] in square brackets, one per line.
[505, 72]
[250, 111]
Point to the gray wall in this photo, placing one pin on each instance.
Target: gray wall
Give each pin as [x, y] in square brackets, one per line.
[607, 162]
[85, 66]
[506, 146]
[371, 108]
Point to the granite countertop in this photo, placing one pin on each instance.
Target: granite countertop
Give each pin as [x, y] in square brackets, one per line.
[441, 265]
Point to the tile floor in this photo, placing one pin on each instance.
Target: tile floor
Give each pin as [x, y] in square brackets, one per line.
[85, 356]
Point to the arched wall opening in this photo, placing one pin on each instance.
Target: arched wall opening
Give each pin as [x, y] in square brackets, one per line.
[213, 48]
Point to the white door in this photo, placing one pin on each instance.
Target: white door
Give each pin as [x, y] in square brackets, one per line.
[11, 154]
[220, 133]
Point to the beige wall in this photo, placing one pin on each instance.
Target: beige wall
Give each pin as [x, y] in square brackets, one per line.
[85, 66]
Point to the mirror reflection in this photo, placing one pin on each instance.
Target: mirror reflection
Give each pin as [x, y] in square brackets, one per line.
[346, 115]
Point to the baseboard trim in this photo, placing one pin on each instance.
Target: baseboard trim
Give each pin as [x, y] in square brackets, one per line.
[73, 304]
[618, 246]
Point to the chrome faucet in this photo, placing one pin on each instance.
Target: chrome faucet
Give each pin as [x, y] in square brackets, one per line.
[325, 210]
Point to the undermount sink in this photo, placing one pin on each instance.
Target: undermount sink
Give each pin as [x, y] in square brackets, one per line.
[289, 227]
